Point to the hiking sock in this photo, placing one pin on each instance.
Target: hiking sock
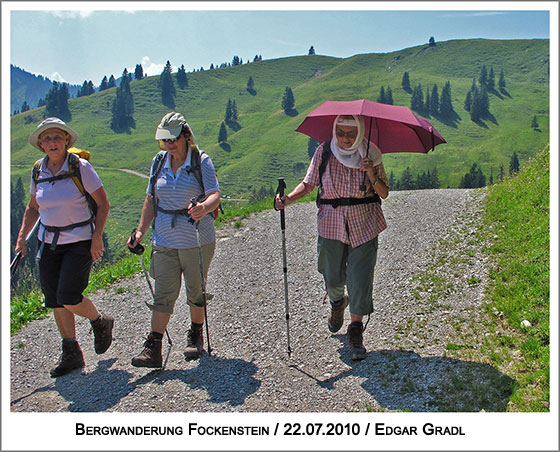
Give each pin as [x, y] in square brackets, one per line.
[69, 339]
[357, 323]
[196, 326]
[156, 335]
[96, 320]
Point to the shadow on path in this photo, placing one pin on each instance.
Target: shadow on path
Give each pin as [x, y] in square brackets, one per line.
[225, 380]
[405, 381]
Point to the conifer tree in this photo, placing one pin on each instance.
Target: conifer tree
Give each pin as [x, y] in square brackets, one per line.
[25, 107]
[405, 83]
[235, 61]
[389, 96]
[250, 85]
[434, 101]
[445, 103]
[513, 164]
[288, 101]
[534, 123]
[502, 81]
[222, 135]
[311, 51]
[407, 181]
[490, 84]
[417, 99]
[123, 107]
[229, 113]
[112, 83]
[234, 116]
[502, 172]
[468, 101]
[381, 97]
[138, 72]
[483, 77]
[167, 86]
[182, 80]
[104, 84]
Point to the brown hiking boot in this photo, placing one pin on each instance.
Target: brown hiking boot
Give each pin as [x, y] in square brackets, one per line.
[195, 343]
[102, 331]
[355, 341]
[71, 358]
[151, 355]
[336, 316]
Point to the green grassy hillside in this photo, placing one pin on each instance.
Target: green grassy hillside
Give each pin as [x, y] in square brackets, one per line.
[266, 145]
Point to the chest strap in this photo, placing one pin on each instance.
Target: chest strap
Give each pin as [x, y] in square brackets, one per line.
[175, 213]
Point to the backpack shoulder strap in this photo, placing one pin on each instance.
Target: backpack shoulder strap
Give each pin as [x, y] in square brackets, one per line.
[74, 168]
[325, 156]
[157, 165]
[36, 169]
[196, 168]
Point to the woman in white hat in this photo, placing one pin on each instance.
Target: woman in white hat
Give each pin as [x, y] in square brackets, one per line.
[348, 222]
[70, 237]
[169, 209]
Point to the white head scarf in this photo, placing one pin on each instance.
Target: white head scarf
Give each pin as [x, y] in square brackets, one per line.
[351, 157]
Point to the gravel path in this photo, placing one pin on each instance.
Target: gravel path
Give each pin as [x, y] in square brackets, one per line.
[421, 296]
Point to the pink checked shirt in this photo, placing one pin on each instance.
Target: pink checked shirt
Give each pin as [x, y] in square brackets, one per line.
[354, 225]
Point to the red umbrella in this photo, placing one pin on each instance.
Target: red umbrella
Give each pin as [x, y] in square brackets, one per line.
[393, 128]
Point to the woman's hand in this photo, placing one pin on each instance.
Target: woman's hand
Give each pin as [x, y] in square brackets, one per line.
[281, 202]
[96, 247]
[366, 165]
[21, 245]
[198, 211]
[138, 236]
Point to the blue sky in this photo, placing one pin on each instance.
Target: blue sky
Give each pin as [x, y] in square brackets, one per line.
[82, 44]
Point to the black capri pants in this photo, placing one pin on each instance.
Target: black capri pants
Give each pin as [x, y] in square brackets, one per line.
[64, 273]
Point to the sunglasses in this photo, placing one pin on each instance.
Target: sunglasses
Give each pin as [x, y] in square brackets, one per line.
[351, 135]
[170, 140]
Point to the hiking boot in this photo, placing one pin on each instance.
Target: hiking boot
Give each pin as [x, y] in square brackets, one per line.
[355, 341]
[70, 359]
[151, 355]
[336, 316]
[102, 331]
[195, 342]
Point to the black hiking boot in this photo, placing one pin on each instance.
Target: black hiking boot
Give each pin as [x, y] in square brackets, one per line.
[195, 342]
[355, 341]
[102, 331]
[151, 355]
[336, 316]
[71, 358]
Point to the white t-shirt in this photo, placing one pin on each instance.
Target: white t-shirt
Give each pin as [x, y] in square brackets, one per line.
[61, 203]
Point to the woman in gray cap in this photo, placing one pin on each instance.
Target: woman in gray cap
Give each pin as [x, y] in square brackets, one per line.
[71, 226]
[179, 174]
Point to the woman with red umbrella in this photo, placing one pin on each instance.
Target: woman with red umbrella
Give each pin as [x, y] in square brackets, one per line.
[349, 220]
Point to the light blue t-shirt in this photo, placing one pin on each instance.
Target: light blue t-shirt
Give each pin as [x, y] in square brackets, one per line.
[175, 192]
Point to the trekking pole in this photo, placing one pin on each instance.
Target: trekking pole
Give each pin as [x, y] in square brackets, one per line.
[280, 191]
[139, 250]
[15, 262]
[202, 279]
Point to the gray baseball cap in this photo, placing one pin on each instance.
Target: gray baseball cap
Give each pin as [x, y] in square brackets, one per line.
[170, 126]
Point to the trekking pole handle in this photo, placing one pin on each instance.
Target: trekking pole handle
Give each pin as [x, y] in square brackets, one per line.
[138, 249]
[280, 191]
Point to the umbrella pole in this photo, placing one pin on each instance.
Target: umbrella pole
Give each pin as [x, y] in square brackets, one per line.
[363, 186]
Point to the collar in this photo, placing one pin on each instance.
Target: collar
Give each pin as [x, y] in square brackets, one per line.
[186, 164]
[62, 169]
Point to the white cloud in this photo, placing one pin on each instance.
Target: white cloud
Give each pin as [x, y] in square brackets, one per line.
[151, 68]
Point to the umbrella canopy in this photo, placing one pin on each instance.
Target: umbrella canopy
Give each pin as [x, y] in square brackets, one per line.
[392, 128]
